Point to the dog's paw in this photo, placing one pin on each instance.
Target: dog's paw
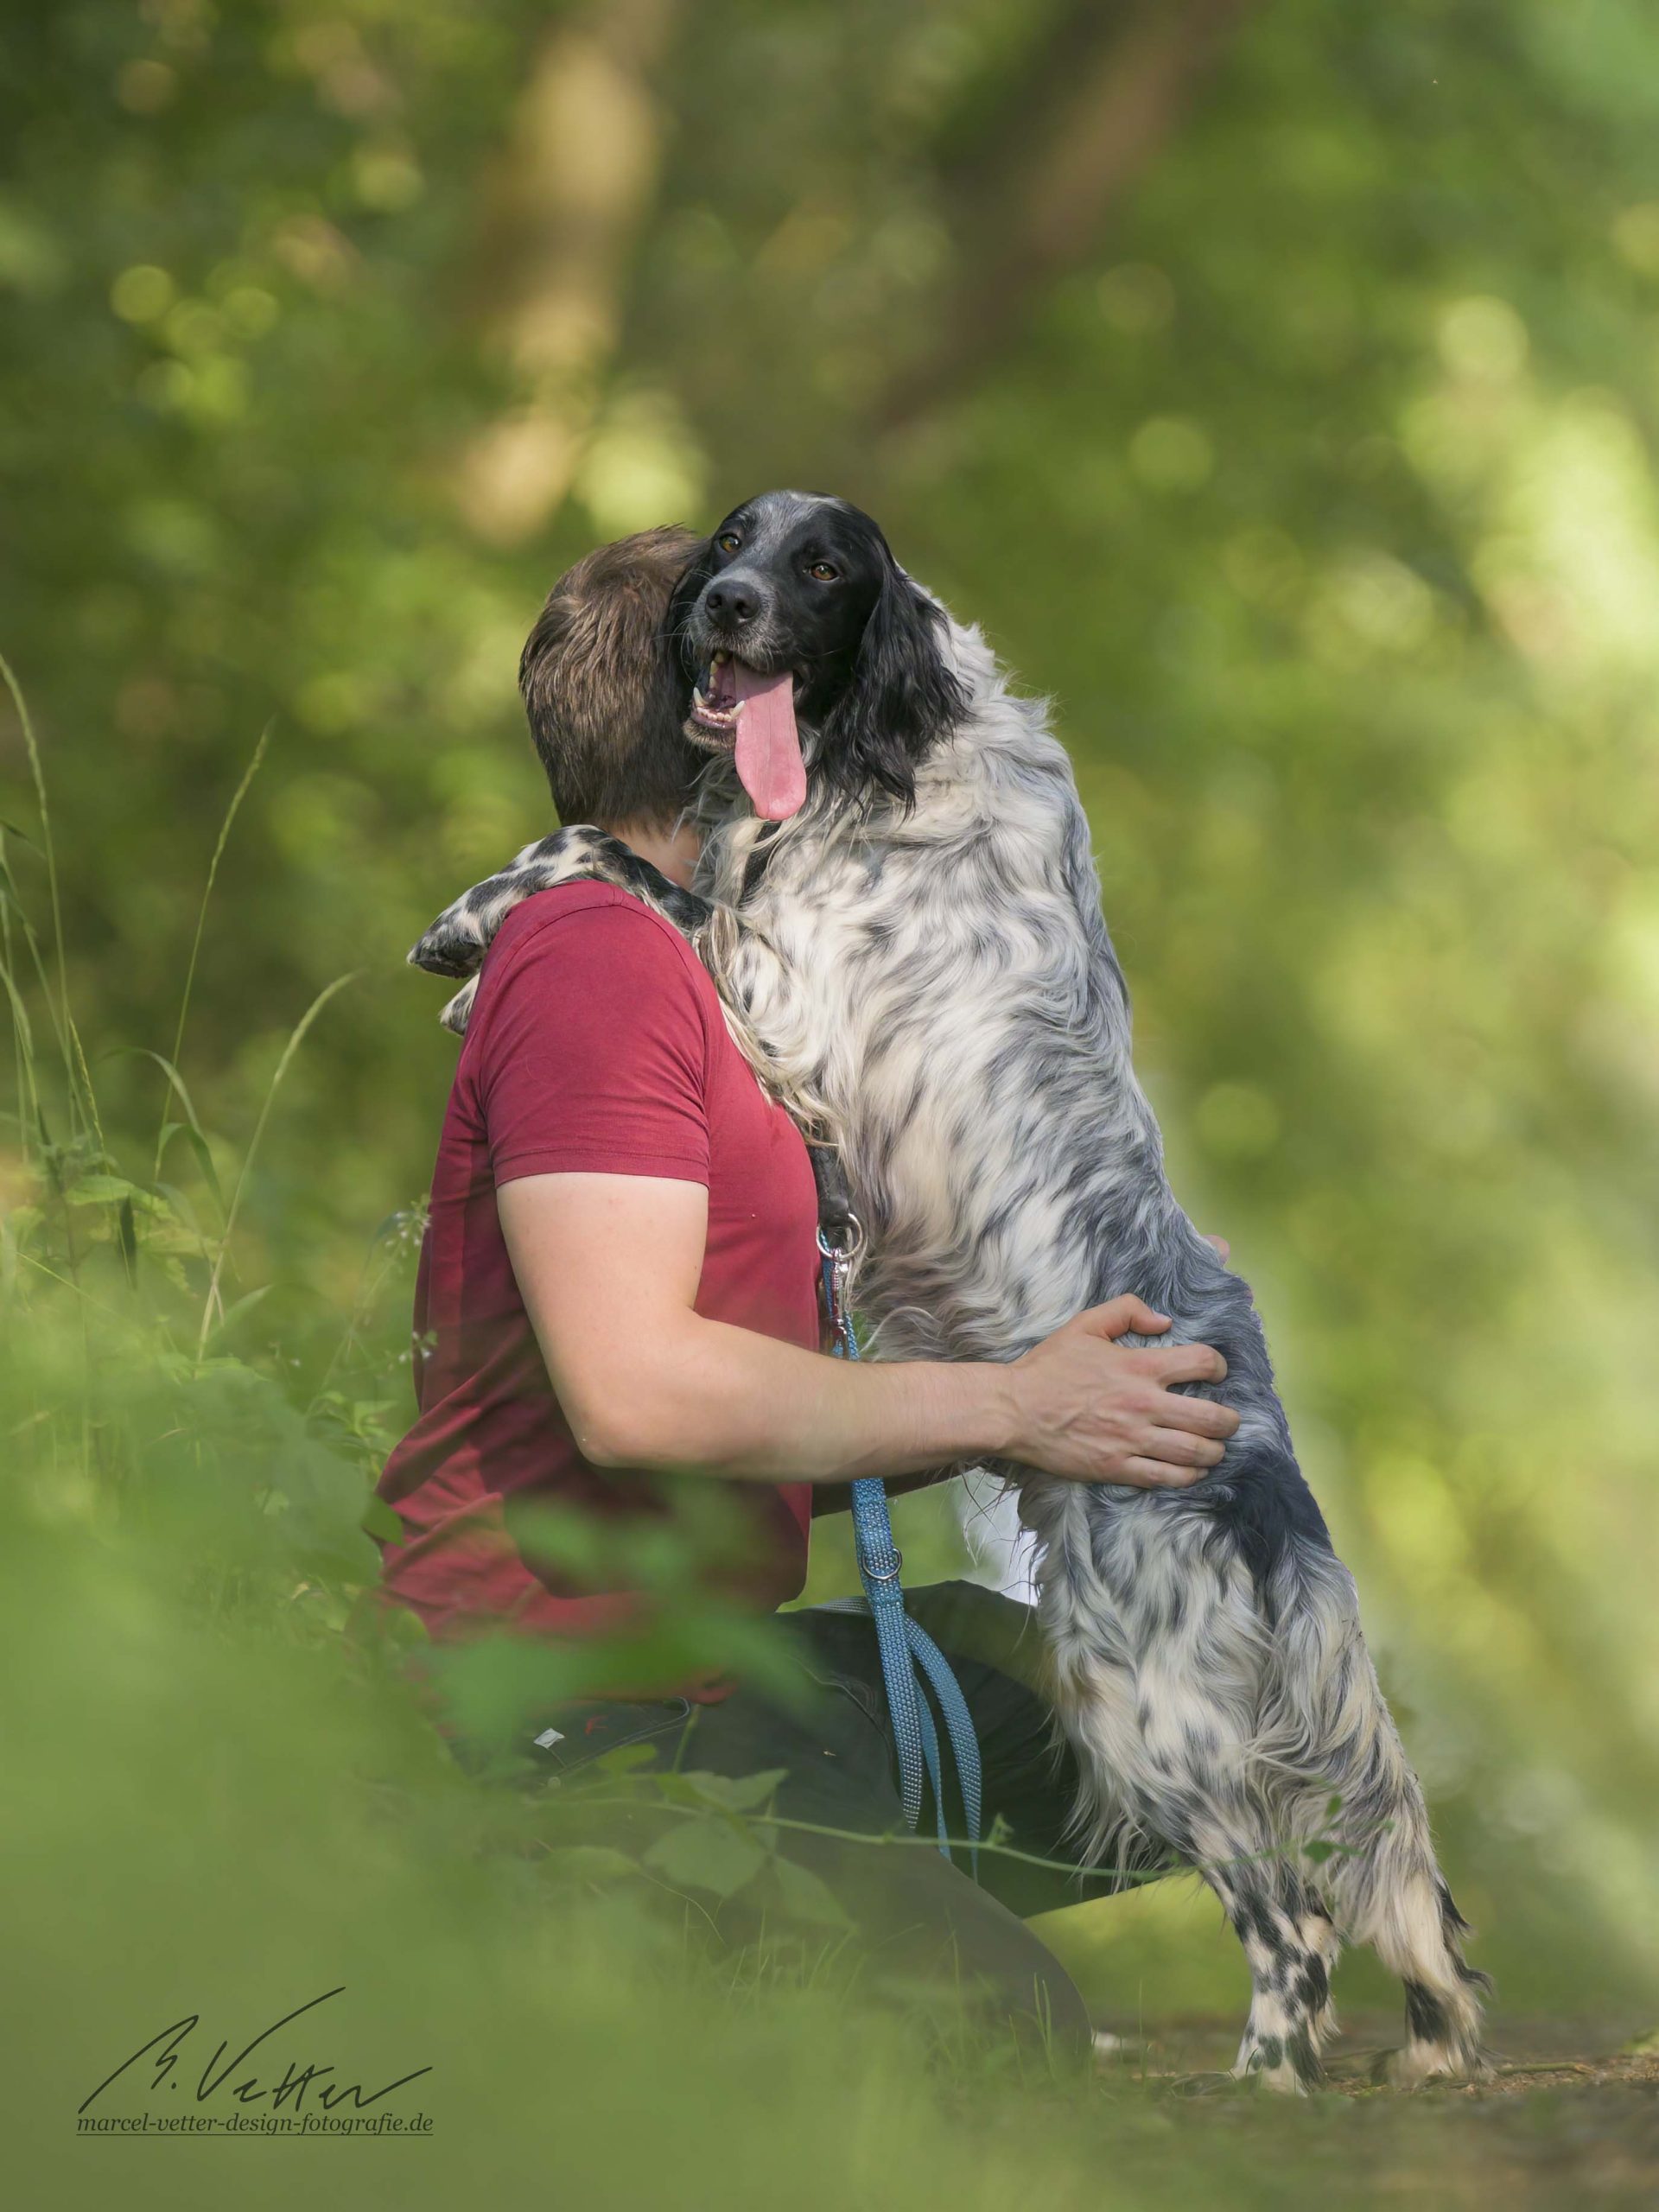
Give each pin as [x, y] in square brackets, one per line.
[456, 941]
[1419, 2065]
[1283, 2065]
[458, 1013]
[1280, 2081]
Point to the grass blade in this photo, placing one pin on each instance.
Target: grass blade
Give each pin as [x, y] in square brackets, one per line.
[22, 1032]
[76, 1072]
[282, 1065]
[31, 744]
[191, 1124]
[23, 1043]
[225, 826]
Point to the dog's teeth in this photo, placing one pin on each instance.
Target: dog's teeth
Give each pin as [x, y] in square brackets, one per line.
[697, 699]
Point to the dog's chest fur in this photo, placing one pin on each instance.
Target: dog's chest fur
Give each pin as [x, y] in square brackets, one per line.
[949, 989]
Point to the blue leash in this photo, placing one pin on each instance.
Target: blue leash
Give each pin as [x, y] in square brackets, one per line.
[905, 1645]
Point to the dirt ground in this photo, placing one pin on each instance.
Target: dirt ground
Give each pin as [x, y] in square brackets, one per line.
[1569, 2116]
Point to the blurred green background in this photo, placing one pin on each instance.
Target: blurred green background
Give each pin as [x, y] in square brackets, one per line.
[1277, 383]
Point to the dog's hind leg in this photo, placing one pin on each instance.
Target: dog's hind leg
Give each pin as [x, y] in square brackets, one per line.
[1385, 1886]
[1329, 1721]
[1417, 1932]
[1160, 1699]
[1382, 1880]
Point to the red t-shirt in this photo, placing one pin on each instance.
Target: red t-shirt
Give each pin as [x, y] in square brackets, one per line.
[596, 1044]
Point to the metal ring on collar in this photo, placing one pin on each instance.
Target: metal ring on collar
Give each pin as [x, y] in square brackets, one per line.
[887, 1574]
[853, 1229]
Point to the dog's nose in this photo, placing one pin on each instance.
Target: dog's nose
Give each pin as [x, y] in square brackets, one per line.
[731, 601]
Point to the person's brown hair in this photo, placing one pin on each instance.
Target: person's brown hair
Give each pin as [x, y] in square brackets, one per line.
[601, 687]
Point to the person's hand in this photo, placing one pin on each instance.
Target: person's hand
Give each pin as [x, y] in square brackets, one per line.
[1221, 1245]
[1091, 1410]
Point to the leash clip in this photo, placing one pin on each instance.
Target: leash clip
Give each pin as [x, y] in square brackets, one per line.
[837, 1267]
[850, 1229]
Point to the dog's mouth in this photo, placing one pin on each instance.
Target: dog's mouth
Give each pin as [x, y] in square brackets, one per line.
[740, 709]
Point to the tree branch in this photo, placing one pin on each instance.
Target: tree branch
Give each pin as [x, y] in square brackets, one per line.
[572, 196]
[1036, 210]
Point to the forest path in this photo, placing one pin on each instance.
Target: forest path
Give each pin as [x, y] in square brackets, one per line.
[1570, 2115]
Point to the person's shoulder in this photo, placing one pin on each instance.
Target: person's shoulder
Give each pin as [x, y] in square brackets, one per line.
[599, 913]
[594, 937]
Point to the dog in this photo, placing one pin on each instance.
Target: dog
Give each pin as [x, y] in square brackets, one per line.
[899, 899]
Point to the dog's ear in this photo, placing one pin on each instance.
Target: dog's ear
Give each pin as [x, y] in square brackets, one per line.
[904, 698]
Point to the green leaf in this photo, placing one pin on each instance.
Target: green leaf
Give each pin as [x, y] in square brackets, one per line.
[685, 1789]
[590, 1863]
[626, 1758]
[191, 1124]
[806, 1896]
[706, 1855]
[727, 1793]
[238, 1307]
[379, 1520]
[14, 1234]
[198, 1144]
[110, 1189]
[1319, 1852]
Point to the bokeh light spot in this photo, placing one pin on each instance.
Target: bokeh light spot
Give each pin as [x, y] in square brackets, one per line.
[142, 294]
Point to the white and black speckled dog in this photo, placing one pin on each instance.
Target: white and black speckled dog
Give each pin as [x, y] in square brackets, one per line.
[899, 899]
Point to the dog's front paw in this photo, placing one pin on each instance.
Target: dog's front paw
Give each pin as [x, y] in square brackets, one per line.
[459, 1012]
[456, 942]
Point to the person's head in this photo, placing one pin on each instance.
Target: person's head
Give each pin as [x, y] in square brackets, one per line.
[795, 610]
[603, 689]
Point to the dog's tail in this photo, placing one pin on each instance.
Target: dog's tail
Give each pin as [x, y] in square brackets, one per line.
[1361, 1819]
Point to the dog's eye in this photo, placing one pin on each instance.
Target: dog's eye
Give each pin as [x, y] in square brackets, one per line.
[825, 571]
[729, 541]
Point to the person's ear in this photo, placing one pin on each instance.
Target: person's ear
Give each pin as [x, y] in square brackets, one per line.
[904, 698]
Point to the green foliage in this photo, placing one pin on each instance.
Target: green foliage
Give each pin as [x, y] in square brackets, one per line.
[1313, 475]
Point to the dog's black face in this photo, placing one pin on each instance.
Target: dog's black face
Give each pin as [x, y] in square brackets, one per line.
[797, 612]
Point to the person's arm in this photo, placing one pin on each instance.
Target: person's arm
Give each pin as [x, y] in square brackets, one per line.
[608, 1267]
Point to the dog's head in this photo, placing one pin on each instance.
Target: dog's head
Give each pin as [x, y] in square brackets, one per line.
[795, 623]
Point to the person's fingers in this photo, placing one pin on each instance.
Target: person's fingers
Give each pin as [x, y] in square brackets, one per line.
[1203, 1416]
[1167, 1363]
[1180, 1448]
[1222, 1246]
[1156, 1474]
[1118, 1316]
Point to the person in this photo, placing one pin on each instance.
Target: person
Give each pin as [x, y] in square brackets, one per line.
[618, 1295]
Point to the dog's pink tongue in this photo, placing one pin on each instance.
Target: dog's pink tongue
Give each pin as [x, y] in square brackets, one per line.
[768, 751]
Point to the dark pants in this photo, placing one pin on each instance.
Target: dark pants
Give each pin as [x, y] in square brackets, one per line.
[920, 1919]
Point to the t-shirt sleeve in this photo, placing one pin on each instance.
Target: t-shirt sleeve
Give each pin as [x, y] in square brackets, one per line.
[593, 1055]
